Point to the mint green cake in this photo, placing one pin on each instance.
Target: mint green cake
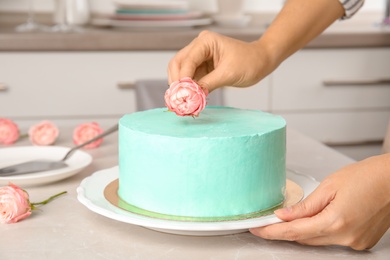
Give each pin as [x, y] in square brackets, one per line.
[226, 164]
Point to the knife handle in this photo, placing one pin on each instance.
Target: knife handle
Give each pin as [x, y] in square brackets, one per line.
[107, 132]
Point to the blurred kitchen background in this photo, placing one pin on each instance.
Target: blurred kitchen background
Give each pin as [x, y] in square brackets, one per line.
[204, 5]
[336, 90]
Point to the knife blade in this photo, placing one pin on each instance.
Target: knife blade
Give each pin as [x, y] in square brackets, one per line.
[31, 167]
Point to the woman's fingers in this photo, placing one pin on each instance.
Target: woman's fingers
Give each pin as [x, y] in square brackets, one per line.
[307, 219]
[296, 230]
[187, 61]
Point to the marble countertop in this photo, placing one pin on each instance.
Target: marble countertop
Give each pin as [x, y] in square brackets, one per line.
[66, 229]
[355, 33]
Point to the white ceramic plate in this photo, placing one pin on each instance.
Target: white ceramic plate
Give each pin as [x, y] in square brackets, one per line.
[151, 24]
[13, 155]
[157, 17]
[91, 194]
[151, 5]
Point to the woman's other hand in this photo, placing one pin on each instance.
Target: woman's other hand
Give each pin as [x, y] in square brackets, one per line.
[350, 208]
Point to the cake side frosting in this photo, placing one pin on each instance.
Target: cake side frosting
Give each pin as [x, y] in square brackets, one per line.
[226, 162]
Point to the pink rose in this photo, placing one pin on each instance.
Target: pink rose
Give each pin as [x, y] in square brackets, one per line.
[14, 204]
[44, 133]
[9, 131]
[86, 132]
[185, 97]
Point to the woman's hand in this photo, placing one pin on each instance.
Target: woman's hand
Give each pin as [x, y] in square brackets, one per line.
[350, 207]
[214, 61]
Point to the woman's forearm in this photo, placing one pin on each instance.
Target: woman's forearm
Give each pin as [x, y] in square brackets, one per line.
[297, 23]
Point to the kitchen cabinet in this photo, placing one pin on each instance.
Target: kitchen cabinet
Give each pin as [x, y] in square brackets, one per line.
[74, 84]
[254, 97]
[338, 96]
[84, 86]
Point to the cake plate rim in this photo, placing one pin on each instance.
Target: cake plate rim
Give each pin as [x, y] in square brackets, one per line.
[90, 193]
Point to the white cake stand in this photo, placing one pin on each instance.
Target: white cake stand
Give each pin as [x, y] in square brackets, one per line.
[91, 194]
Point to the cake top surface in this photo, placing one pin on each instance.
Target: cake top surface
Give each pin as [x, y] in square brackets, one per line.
[212, 122]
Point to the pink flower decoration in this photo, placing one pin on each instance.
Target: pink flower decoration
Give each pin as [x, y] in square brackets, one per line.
[15, 204]
[9, 131]
[44, 133]
[86, 132]
[185, 97]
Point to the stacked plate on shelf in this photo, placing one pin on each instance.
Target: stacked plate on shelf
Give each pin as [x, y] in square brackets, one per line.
[153, 14]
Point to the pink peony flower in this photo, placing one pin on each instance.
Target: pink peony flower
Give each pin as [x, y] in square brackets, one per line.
[185, 97]
[86, 132]
[9, 131]
[14, 204]
[43, 133]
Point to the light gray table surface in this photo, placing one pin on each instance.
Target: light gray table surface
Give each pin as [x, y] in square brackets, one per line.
[66, 229]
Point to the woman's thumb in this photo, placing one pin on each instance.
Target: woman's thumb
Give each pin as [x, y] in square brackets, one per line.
[309, 207]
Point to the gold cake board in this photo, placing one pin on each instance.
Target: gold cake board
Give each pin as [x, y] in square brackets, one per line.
[294, 194]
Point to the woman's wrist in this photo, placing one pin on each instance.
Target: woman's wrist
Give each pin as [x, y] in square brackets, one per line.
[270, 54]
[297, 23]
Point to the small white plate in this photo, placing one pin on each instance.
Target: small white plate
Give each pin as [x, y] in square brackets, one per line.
[169, 24]
[91, 194]
[157, 17]
[151, 5]
[13, 155]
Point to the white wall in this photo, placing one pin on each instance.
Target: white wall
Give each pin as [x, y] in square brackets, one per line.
[204, 5]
